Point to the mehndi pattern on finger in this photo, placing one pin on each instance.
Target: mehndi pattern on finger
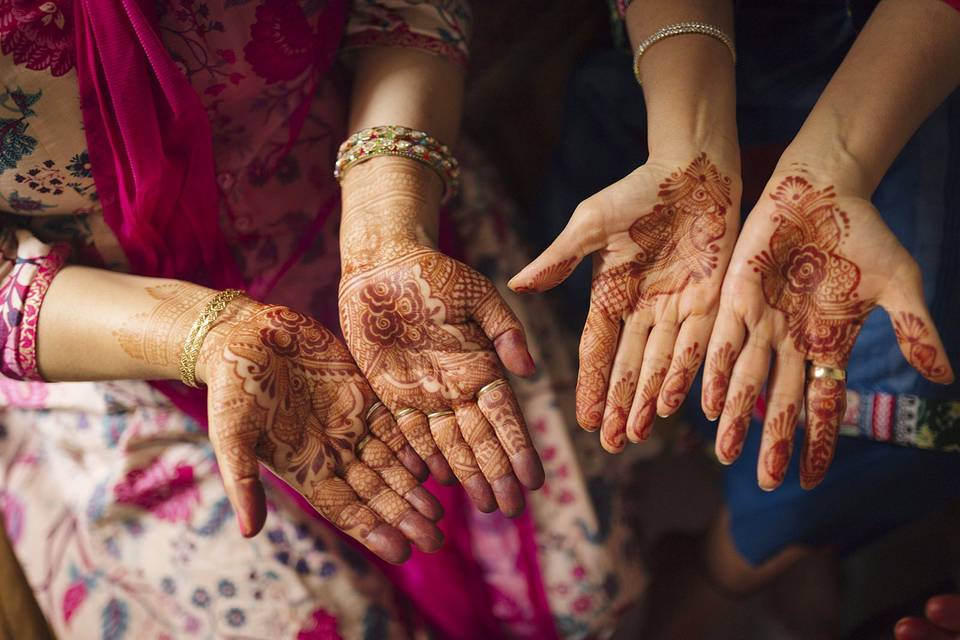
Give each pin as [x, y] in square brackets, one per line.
[740, 406]
[715, 388]
[911, 331]
[683, 370]
[825, 407]
[779, 433]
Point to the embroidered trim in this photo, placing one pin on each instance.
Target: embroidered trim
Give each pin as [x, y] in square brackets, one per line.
[406, 39]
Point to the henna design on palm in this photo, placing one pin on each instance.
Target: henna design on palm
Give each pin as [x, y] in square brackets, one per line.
[283, 391]
[805, 276]
[422, 327]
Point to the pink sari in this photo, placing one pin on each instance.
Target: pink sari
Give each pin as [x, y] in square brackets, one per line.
[151, 148]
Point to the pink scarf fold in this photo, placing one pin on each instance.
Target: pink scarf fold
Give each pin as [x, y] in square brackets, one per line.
[151, 146]
[151, 149]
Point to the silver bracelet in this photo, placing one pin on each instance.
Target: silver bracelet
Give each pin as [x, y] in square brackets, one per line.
[679, 29]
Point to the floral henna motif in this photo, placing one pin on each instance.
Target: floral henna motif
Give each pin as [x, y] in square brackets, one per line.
[597, 347]
[681, 377]
[740, 407]
[826, 403]
[618, 408]
[721, 364]
[911, 331]
[804, 275]
[549, 276]
[779, 432]
[291, 389]
[408, 323]
[640, 428]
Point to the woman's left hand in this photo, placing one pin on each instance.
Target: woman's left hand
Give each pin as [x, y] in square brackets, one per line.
[430, 334]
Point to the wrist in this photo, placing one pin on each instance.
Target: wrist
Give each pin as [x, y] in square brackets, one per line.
[388, 201]
[238, 310]
[827, 147]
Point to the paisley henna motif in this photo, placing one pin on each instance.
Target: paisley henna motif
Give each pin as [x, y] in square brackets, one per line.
[683, 370]
[715, 391]
[619, 401]
[647, 401]
[779, 433]
[740, 406]
[911, 332]
[805, 276]
[549, 277]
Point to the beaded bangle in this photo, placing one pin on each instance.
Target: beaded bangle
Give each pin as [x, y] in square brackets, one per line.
[405, 143]
[680, 29]
[201, 327]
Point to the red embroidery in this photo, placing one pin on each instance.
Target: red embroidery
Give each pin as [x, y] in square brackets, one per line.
[39, 34]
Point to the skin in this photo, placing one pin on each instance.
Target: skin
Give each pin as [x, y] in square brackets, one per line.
[815, 257]
[660, 238]
[941, 621]
[428, 331]
[283, 392]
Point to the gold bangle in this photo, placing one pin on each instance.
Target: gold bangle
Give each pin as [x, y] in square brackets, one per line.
[201, 327]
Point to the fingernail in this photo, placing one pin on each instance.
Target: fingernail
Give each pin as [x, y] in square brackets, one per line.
[480, 493]
[244, 525]
[509, 496]
[424, 502]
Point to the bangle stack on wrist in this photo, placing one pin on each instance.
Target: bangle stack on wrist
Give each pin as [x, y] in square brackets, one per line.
[404, 143]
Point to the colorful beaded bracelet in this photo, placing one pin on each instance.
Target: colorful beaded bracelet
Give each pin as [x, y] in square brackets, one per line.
[405, 143]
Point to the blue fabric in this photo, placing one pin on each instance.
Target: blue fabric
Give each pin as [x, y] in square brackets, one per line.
[786, 55]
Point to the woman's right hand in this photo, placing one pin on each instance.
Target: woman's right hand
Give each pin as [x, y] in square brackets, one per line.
[661, 239]
[283, 391]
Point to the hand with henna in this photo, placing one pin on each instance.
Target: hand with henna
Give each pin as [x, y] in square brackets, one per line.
[283, 391]
[812, 261]
[430, 334]
[661, 238]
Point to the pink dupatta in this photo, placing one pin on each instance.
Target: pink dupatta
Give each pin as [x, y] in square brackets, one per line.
[151, 149]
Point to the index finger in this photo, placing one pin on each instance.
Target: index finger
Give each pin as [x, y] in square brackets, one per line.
[499, 406]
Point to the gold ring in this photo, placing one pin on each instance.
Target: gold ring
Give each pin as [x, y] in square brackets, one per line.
[820, 371]
[404, 412]
[364, 441]
[499, 382]
[439, 414]
[376, 405]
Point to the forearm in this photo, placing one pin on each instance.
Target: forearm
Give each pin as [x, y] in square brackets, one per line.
[101, 325]
[904, 63]
[410, 88]
[688, 80]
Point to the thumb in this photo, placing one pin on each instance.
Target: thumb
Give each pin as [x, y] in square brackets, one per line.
[916, 334]
[234, 445]
[557, 262]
